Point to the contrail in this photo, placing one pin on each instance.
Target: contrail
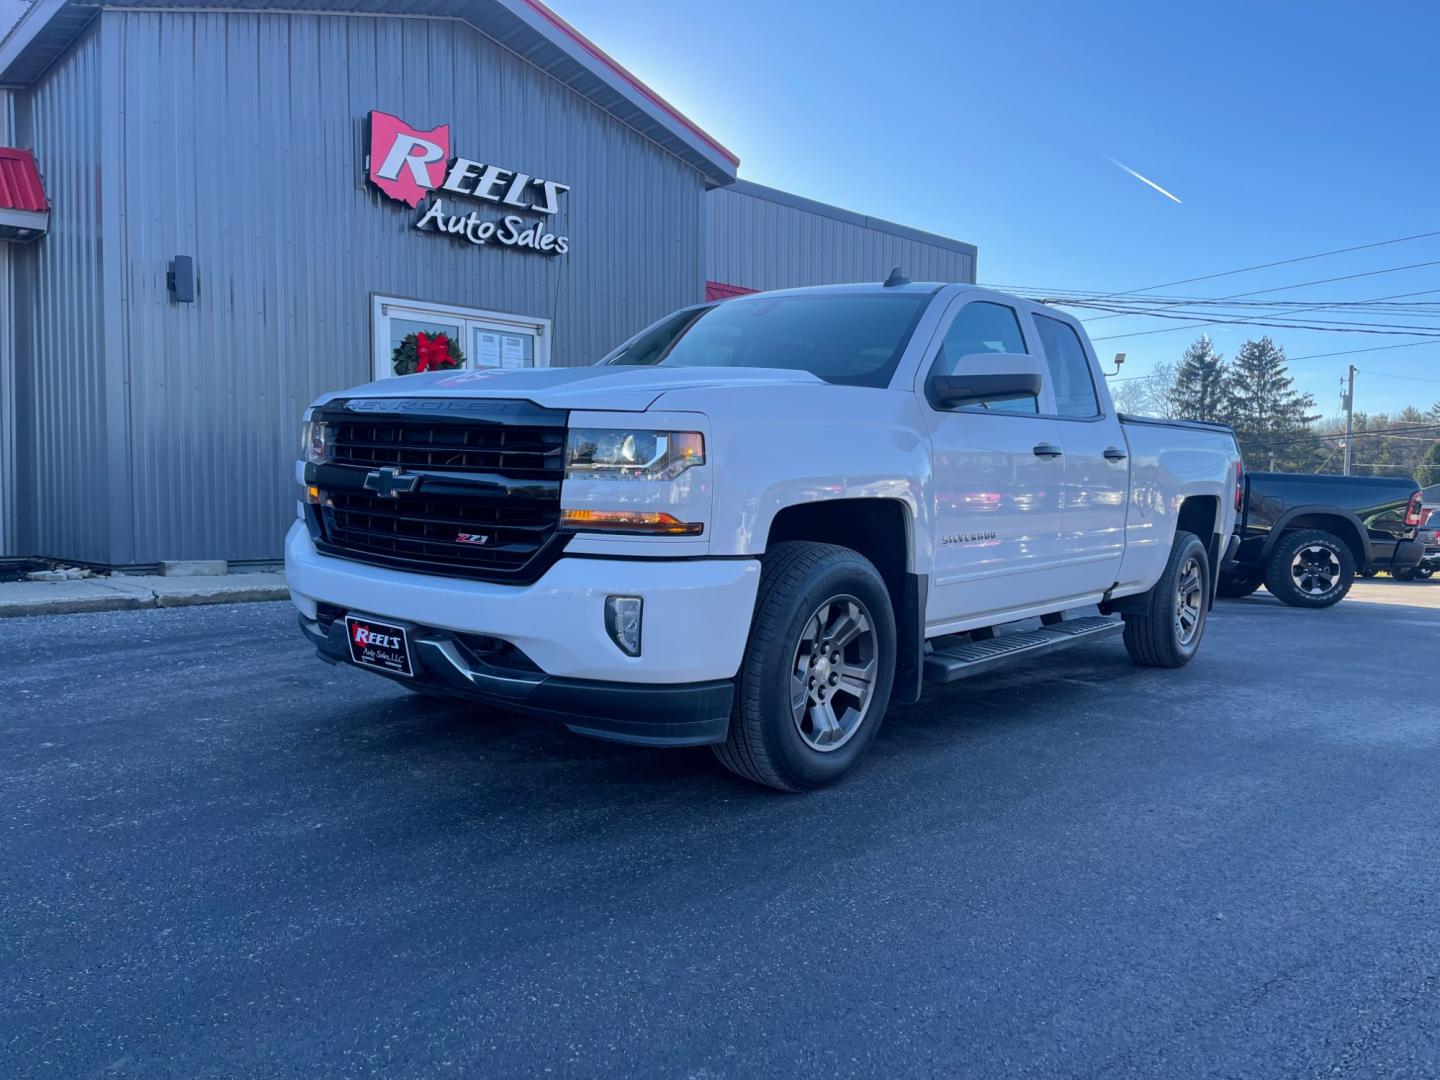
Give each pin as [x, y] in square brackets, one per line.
[1142, 179]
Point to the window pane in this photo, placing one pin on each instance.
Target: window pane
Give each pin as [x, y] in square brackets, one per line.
[1070, 375]
[502, 349]
[983, 327]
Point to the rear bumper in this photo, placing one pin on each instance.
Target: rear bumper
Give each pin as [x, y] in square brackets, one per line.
[1404, 555]
[686, 714]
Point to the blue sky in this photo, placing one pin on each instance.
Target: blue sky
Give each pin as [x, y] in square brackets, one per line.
[1285, 129]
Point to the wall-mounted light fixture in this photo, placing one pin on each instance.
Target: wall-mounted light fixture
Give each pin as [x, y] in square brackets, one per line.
[180, 279]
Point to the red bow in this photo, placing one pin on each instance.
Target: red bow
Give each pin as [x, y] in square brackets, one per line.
[433, 352]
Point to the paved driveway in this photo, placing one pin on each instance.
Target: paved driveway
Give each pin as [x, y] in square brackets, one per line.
[219, 857]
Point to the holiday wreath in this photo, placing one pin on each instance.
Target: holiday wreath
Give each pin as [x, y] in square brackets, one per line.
[426, 352]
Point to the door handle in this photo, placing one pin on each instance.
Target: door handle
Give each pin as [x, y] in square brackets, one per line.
[1047, 450]
[1114, 453]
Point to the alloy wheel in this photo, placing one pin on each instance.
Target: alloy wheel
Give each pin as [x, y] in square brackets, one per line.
[1189, 602]
[832, 680]
[1315, 569]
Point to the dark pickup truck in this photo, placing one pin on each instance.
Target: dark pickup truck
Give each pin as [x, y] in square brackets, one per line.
[1306, 537]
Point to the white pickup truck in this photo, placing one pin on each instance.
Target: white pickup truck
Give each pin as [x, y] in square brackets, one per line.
[758, 523]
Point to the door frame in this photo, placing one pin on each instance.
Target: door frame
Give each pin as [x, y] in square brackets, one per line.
[382, 307]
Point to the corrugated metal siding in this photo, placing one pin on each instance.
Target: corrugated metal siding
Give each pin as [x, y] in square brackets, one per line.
[762, 244]
[60, 384]
[242, 146]
[9, 543]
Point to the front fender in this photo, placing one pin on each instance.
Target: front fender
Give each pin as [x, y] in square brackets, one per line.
[811, 445]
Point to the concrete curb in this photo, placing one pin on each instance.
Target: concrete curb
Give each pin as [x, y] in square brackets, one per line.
[22, 598]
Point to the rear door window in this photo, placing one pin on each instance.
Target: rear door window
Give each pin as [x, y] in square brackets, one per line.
[1071, 377]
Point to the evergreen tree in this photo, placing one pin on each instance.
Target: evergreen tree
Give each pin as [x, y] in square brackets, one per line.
[1199, 391]
[1266, 409]
[1429, 471]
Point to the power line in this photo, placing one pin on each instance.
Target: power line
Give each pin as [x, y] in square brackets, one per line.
[1240, 270]
[1282, 262]
[1407, 378]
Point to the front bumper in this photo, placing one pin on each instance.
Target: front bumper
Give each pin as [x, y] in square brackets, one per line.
[689, 714]
[696, 623]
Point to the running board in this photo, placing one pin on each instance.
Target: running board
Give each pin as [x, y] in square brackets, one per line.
[978, 657]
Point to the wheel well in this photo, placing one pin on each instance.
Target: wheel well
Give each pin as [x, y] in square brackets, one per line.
[1199, 514]
[1332, 523]
[879, 529]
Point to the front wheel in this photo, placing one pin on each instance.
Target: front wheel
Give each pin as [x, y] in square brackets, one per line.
[1167, 631]
[815, 681]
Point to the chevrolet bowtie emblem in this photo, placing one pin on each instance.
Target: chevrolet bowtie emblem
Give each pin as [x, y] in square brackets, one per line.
[390, 483]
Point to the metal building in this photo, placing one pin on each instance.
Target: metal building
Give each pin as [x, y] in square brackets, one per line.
[246, 205]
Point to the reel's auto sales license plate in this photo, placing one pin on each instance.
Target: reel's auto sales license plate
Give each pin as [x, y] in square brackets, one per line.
[379, 645]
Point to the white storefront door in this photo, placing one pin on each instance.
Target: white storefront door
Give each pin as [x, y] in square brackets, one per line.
[484, 339]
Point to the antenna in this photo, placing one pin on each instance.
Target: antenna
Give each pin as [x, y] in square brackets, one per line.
[896, 278]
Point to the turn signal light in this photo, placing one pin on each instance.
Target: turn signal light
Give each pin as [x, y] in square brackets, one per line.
[646, 522]
[312, 495]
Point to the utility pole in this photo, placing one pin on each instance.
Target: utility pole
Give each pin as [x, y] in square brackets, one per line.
[1349, 415]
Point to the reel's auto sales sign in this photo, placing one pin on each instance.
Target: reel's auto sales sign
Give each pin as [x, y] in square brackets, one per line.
[411, 166]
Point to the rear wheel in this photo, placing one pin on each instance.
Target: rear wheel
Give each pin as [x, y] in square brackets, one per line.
[1167, 632]
[1408, 574]
[815, 681]
[1310, 568]
[1424, 572]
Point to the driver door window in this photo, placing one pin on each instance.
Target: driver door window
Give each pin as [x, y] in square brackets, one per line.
[982, 327]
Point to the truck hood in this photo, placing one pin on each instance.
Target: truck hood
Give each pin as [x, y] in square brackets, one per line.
[614, 389]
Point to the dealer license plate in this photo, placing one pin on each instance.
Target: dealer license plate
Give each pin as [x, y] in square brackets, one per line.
[381, 645]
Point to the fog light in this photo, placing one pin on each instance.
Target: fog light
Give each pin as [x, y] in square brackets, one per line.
[622, 622]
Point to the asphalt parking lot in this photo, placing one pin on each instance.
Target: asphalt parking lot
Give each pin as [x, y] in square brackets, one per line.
[219, 857]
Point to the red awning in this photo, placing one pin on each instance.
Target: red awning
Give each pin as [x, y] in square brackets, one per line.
[20, 186]
[719, 290]
[24, 210]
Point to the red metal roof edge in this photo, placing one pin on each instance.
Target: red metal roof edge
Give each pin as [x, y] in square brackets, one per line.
[20, 185]
[614, 65]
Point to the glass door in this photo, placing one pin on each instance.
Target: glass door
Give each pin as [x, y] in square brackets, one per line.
[411, 336]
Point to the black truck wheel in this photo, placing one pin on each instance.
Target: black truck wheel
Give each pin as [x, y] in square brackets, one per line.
[1407, 574]
[1238, 586]
[1167, 632]
[1423, 572]
[1310, 568]
[815, 681]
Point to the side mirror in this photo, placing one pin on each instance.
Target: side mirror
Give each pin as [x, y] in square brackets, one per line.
[986, 377]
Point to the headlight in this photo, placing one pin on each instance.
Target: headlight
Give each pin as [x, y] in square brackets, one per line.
[597, 453]
[317, 439]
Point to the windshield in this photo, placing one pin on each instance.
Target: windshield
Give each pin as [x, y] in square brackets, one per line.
[855, 338]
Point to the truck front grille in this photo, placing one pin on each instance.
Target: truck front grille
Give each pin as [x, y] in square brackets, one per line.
[461, 487]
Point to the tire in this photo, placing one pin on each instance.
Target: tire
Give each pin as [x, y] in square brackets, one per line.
[1235, 587]
[1156, 636]
[1366, 573]
[1424, 572]
[807, 593]
[1310, 568]
[1404, 575]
